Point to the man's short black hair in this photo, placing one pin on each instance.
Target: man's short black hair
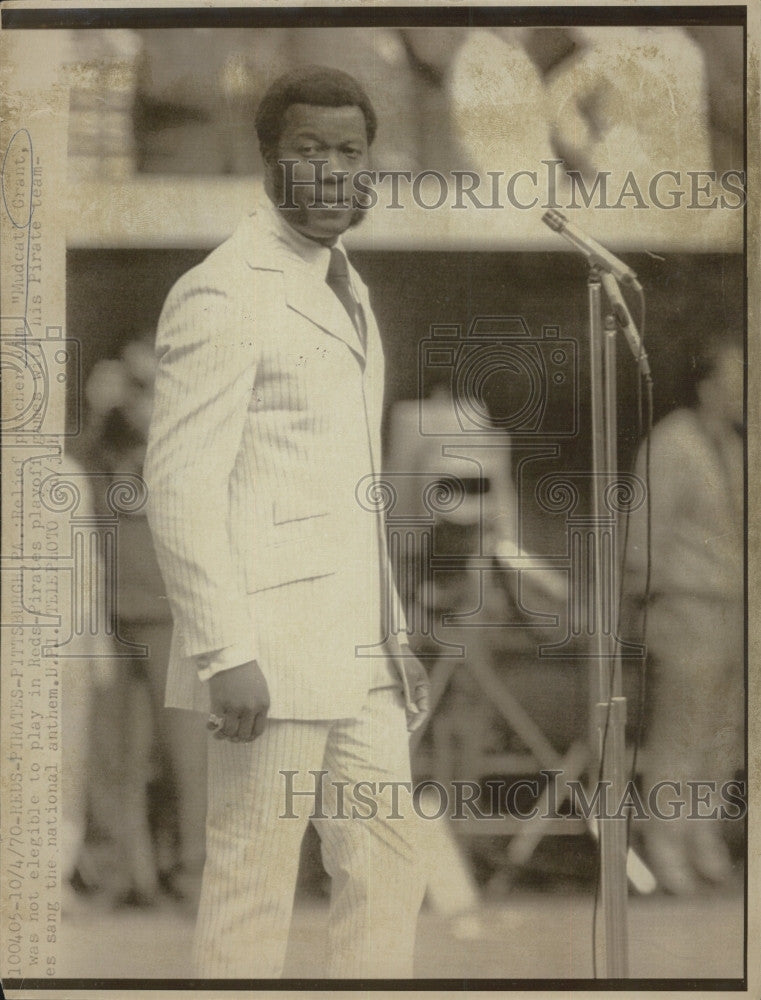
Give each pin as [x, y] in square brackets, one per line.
[317, 85]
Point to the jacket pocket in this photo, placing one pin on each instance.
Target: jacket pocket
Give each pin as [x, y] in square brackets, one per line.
[297, 508]
[299, 546]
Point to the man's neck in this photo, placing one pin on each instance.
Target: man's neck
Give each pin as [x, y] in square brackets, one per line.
[286, 216]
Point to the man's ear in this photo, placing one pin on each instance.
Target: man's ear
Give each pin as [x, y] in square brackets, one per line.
[270, 171]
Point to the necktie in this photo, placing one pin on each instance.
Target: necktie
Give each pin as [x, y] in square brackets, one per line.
[338, 280]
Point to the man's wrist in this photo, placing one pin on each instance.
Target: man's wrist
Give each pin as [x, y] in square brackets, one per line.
[209, 664]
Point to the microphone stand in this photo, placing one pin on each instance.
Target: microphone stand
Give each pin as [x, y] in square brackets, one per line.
[608, 717]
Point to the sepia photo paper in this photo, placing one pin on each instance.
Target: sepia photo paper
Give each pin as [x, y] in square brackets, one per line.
[380, 431]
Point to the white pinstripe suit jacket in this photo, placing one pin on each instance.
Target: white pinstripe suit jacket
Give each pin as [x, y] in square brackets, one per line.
[266, 417]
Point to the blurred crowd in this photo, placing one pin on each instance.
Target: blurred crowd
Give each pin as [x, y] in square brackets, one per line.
[147, 789]
[180, 101]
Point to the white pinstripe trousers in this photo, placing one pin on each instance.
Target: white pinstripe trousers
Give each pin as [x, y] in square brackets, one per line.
[253, 847]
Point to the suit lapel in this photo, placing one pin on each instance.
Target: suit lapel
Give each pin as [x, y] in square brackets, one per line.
[315, 300]
[305, 293]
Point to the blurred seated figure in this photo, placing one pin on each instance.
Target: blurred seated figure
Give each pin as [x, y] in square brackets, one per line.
[467, 584]
[163, 749]
[695, 614]
[476, 513]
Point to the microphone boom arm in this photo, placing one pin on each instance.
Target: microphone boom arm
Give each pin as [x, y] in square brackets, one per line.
[594, 252]
[625, 321]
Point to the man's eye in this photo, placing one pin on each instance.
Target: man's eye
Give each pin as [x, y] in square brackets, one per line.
[352, 153]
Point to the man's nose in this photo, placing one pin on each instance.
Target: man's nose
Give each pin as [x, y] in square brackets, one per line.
[333, 168]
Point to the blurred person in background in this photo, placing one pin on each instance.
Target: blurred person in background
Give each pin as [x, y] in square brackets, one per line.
[160, 750]
[695, 613]
[82, 679]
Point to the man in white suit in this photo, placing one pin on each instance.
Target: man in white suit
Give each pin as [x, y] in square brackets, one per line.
[267, 417]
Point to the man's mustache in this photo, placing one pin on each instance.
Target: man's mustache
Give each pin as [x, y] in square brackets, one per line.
[340, 196]
[332, 196]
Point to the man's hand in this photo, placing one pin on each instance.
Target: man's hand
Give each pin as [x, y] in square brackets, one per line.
[419, 687]
[240, 696]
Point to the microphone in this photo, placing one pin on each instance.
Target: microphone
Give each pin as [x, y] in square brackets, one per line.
[596, 253]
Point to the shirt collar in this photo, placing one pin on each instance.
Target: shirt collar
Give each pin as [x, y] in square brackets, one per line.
[313, 254]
